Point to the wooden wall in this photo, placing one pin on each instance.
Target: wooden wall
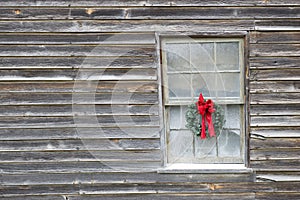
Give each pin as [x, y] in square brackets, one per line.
[49, 68]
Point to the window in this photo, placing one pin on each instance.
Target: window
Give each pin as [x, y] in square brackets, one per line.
[215, 68]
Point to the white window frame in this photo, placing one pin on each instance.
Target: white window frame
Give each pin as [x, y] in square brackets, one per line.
[242, 100]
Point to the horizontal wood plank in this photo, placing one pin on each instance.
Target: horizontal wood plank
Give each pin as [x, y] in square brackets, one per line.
[277, 196]
[275, 50]
[77, 38]
[274, 86]
[271, 75]
[152, 13]
[76, 62]
[78, 86]
[275, 154]
[111, 189]
[276, 132]
[47, 133]
[77, 98]
[77, 50]
[83, 156]
[67, 110]
[275, 110]
[275, 143]
[277, 25]
[79, 121]
[85, 3]
[275, 98]
[276, 165]
[78, 74]
[274, 62]
[82, 167]
[274, 37]
[263, 121]
[80, 144]
[144, 196]
[121, 177]
[125, 26]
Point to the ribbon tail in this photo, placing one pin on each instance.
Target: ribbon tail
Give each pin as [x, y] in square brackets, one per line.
[203, 134]
[210, 125]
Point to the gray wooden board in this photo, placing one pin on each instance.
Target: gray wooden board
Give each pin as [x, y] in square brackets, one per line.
[275, 110]
[73, 156]
[275, 37]
[274, 86]
[78, 86]
[149, 3]
[26, 133]
[152, 13]
[121, 177]
[77, 38]
[275, 98]
[124, 26]
[275, 143]
[76, 50]
[76, 167]
[80, 144]
[68, 110]
[78, 98]
[282, 62]
[76, 62]
[78, 74]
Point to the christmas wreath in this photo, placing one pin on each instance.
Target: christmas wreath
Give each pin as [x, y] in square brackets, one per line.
[202, 113]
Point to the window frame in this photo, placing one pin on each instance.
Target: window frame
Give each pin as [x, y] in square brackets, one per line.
[242, 37]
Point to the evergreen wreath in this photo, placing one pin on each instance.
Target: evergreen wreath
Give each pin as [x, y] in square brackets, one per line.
[194, 119]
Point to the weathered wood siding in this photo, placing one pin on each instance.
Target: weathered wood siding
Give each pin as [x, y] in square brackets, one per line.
[48, 71]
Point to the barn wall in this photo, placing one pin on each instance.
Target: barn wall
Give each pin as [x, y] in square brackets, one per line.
[79, 83]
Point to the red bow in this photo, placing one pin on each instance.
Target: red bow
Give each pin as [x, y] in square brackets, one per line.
[205, 109]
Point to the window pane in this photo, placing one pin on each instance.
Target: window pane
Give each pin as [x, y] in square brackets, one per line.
[228, 85]
[205, 148]
[179, 85]
[232, 116]
[178, 57]
[204, 83]
[180, 146]
[177, 117]
[227, 55]
[229, 143]
[202, 56]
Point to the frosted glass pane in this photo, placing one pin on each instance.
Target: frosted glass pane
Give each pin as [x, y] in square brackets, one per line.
[227, 55]
[228, 85]
[180, 145]
[179, 85]
[229, 144]
[202, 56]
[177, 117]
[205, 148]
[178, 57]
[232, 116]
[204, 83]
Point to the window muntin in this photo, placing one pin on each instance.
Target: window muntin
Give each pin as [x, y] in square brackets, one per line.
[213, 67]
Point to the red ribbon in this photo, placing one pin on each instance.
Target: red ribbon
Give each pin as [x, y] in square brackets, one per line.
[206, 109]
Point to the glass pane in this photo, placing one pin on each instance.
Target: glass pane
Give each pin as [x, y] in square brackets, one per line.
[177, 117]
[205, 148]
[232, 116]
[180, 146]
[204, 83]
[229, 143]
[179, 85]
[227, 55]
[202, 56]
[178, 57]
[229, 85]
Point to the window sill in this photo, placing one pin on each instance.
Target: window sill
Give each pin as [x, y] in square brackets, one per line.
[205, 168]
